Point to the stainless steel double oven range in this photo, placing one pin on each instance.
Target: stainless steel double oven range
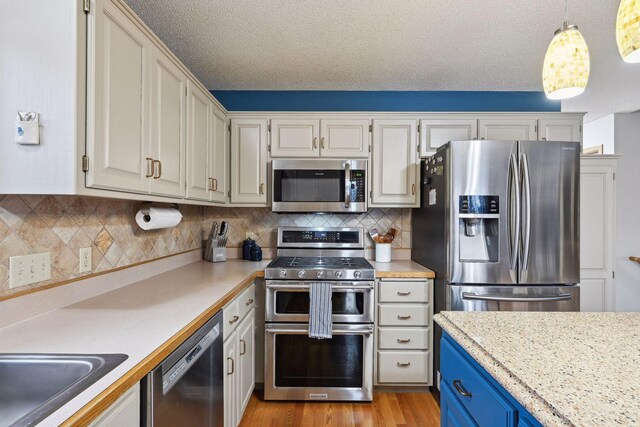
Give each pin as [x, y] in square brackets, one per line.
[301, 368]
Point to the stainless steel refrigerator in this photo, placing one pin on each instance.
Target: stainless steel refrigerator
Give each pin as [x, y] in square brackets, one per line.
[499, 224]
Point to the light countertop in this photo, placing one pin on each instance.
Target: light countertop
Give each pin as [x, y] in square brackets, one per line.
[564, 368]
[402, 268]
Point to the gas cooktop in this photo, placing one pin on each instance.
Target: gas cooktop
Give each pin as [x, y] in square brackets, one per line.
[315, 267]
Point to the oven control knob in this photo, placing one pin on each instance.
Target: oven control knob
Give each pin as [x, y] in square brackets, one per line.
[301, 274]
[320, 274]
[283, 273]
[357, 274]
[339, 274]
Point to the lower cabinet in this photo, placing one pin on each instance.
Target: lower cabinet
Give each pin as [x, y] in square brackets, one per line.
[239, 355]
[125, 412]
[469, 396]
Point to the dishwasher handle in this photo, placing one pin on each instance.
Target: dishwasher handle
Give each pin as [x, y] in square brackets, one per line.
[182, 366]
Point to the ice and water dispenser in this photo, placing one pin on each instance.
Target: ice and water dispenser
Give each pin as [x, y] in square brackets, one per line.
[479, 225]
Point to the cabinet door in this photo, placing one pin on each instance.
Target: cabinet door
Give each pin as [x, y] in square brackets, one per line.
[125, 412]
[295, 138]
[246, 365]
[118, 87]
[219, 156]
[508, 128]
[231, 380]
[199, 138]
[168, 130]
[344, 138]
[249, 161]
[394, 171]
[560, 130]
[437, 132]
[452, 413]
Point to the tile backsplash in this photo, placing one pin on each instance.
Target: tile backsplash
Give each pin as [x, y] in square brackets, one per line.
[62, 225]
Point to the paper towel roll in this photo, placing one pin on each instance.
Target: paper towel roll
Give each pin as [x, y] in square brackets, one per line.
[154, 218]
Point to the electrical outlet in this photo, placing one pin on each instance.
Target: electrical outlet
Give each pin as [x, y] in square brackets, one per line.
[85, 260]
[27, 269]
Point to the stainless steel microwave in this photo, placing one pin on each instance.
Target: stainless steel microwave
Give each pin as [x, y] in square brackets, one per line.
[319, 185]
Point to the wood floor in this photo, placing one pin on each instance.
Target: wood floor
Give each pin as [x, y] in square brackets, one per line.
[387, 409]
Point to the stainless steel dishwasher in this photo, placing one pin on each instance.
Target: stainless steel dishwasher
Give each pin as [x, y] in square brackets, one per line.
[187, 387]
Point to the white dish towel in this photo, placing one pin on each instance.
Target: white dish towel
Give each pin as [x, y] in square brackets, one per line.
[320, 312]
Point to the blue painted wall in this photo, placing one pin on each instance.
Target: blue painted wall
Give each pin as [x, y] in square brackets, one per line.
[460, 101]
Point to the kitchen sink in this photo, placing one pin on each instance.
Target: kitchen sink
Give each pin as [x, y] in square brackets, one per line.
[33, 386]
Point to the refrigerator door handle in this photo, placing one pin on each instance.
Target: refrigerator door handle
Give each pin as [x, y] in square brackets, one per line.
[513, 234]
[500, 298]
[526, 202]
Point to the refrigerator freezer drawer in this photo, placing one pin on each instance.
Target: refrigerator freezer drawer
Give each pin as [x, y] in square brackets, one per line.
[513, 298]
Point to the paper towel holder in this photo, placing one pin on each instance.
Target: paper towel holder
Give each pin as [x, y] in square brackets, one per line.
[144, 208]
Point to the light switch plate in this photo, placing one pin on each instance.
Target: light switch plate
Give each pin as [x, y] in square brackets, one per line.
[27, 269]
[85, 260]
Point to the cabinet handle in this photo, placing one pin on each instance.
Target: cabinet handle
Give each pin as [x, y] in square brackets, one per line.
[233, 366]
[150, 167]
[322, 142]
[210, 184]
[315, 143]
[483, 138]
[215, 184]
[261, 188]
[403, 365]
[475, 139]
[159, 169]
[403, 341]
[458, 385]
[413, 189]
[234, 320]
[408, 316]
[249, 301]
[544, 139]
[403, 294]
[244, 347]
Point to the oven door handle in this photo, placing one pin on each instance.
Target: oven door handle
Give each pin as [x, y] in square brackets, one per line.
[301, 286]
[366, 330]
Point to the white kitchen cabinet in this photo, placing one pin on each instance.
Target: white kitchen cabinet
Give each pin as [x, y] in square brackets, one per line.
[246, 361]
[560, 129]
[231, 401]
[249, 162]
[344, 138]
[118, 105]
[394, 171]
[124, 412]
[438, 131]
[508, 128]
[295, 138]
[219, 156]
[597, 228]
[199, 141]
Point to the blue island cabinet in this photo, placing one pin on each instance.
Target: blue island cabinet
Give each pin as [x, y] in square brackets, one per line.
[469, 396]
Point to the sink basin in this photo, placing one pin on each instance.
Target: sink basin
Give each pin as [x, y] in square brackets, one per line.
[33, 386]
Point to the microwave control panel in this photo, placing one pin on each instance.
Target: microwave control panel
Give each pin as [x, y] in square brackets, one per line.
[358, 180]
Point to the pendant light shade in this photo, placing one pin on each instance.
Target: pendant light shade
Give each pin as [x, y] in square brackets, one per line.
[566, 65]
[628, 30]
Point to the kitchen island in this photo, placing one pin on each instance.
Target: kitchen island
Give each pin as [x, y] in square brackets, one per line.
[559, 368]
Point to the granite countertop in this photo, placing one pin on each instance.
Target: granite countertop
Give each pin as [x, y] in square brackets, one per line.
[564, 368]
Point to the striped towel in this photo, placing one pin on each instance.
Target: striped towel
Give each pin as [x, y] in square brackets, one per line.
[320, 322]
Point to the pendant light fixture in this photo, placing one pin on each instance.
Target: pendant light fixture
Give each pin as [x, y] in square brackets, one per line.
[628, 30]
[566, 65]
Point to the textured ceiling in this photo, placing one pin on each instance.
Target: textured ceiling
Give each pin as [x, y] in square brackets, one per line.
[379, 45]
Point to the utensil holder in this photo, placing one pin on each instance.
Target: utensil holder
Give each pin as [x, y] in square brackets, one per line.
[383, 252]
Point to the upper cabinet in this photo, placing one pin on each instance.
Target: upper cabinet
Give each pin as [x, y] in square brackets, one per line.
[199, 141]
[332, 138]
[219, 157]
[249, 162]
[394, 171]
[438, 131]
[507, 128]
[560, 129]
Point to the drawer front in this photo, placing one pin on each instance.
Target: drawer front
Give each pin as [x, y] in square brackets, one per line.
[403, 338]
[230, 318]
[403, 315]
[246, 301]
[389, 291]
[400, 367]
[484, 404]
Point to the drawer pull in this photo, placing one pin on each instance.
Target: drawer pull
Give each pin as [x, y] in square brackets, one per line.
[234, 320]
[403, 365]
[244, 347]
[403, 294]
[406, 317]
[403, 341]
[233, 366]
[249, 301]
[458, 385]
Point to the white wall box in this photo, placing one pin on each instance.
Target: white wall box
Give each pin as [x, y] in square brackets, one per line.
[597, 231]
[440, 130]
[249, 162]
[124, 412]
[394, 169]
